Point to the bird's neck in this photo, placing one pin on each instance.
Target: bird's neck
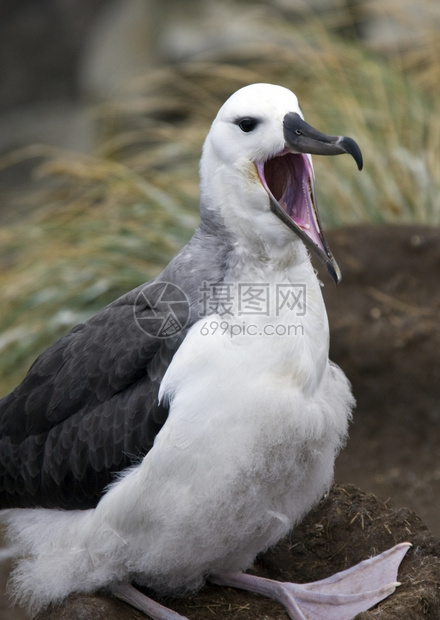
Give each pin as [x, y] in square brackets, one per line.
[274, 293]
[264, 289]
[237, 207]
[259, 259]
[257, 246]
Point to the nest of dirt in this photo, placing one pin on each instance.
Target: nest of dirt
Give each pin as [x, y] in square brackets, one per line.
[385, 334]
[347, 526]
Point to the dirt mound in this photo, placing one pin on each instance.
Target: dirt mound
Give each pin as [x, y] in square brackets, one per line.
[346, 527]
[385, 334]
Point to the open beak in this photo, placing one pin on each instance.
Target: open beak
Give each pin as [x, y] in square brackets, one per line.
[289, 181]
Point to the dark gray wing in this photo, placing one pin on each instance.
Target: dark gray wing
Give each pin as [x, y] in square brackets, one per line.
[88, 407]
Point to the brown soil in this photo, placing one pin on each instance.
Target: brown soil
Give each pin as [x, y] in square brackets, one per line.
[385, 326]
[386, 336]
[346, 527]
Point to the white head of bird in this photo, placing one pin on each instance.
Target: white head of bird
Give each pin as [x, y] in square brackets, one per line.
[256, 162]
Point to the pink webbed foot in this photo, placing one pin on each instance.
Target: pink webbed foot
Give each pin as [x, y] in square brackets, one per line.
[129, 594]
[339, 597]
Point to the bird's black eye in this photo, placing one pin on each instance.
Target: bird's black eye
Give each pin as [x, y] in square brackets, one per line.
[247, 124]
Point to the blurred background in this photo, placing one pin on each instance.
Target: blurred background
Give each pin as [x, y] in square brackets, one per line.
[104, 106]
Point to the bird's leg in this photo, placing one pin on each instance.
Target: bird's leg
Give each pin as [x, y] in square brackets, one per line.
[131, 595]
[340, 597]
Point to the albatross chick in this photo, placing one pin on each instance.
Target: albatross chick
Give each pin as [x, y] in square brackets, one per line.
[193, 422]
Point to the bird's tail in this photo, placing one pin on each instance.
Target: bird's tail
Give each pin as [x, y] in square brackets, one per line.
[53, 558]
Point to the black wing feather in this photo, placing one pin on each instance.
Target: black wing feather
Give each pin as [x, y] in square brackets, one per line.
[87, 407]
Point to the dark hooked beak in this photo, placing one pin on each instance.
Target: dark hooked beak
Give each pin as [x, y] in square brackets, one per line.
[303, 138]
[288, 179]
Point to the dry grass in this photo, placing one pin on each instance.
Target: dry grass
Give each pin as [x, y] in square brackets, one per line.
[82, 249]
[111, 221]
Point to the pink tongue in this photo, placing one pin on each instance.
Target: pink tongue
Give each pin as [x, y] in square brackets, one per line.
[288, 179]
